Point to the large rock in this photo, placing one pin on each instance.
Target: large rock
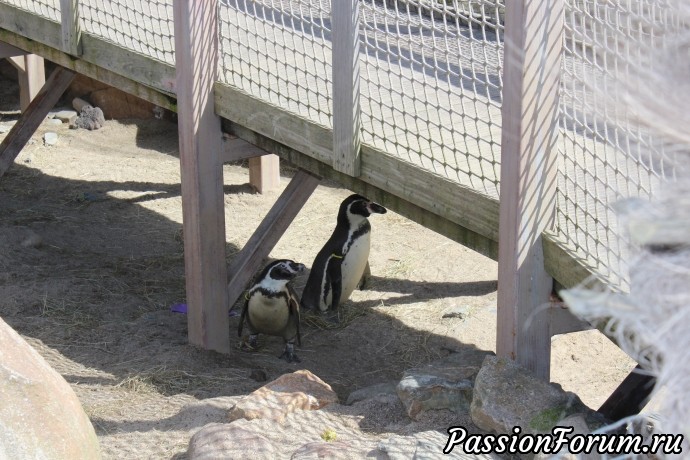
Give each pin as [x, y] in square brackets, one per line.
[40, 416]
[506, 395]
[222, 440]
[427, 445]
[443, 384]
[117, 104]
[300, 390]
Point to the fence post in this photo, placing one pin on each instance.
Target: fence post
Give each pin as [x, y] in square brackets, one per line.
[71, 29]
[531, 79]
[203, 211]
[346, 110]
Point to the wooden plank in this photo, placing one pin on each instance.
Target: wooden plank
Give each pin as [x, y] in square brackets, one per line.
[346, 107]
[161, 98]
[564, 264]
[403, 207]
[630, 397]
[7, 51]
[252, 256]
[236, 149]
[106, 55]
[71, 28]
[533, 44]
[561, 321]
[264, 173]
[31, 79]
[34, 115]
[468, 208]
[203, 204]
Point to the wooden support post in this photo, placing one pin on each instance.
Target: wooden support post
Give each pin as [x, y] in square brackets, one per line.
[346, 108]
[630, 397]
[33, 116]
[7, 51]
[267, 234]
[32, 77]
[531, 78]
[262, 172]
[196, 55]
[71, 28]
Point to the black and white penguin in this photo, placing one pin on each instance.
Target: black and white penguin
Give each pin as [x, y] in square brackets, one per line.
[272, 307]
[341, 263]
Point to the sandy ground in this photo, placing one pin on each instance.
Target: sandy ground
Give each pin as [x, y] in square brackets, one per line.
[91, 262]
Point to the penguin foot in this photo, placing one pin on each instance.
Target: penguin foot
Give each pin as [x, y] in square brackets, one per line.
[289, 354]
[249, 345]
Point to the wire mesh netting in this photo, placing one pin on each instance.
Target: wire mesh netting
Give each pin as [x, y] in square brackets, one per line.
[144, 26]
[606, 154]
[47, 8]
[431, 85]
[279, 51]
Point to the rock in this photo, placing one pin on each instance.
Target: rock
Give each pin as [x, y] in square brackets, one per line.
[506, 395]
[50, 138]
[79, 104]
[53, 122]
[579, 423]
[372, 391]
[336, 450]
[258, 375]
[117, 104]
[222, 440]
[427, 445]
[300, 390]
[65, 116]
[33, 240]
[41, 416]
[91, 118]
[443, 384]
[459, 312]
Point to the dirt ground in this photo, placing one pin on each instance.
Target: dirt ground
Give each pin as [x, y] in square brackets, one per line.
[91, 262]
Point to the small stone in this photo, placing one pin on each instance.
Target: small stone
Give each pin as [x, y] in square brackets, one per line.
[50, 138]
[91, 118]
[79, 104]
[371, 392]
[6, 127]
[34, 240]
[258, 375]
[65, 115]
[460, 312]
[53, 122]
[299, 390]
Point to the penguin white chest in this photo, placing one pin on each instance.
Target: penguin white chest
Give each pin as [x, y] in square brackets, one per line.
[268, 314]
[354, 263]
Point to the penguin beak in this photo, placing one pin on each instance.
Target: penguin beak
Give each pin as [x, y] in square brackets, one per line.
[374, 208]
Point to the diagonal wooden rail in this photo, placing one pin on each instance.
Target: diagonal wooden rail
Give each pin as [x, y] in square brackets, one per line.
[34, 115]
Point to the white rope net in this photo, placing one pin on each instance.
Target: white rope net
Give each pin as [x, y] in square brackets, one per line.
[46, 8]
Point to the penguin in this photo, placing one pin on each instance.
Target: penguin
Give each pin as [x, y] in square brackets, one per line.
[272, 307]
[340, 265]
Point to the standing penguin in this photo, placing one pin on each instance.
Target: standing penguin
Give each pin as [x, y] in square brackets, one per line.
[272, 307]
[340, 265]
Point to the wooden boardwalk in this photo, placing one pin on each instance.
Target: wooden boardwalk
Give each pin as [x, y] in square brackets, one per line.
[430, 96]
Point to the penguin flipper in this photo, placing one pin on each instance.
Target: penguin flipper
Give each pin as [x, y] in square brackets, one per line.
[293, 305]
[245, 307]
[336, 276]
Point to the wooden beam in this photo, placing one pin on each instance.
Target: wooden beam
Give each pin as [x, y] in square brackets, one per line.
[33, 116]
[464, 206]
[156, 96]
[7, 51]
[261, 243]
[262, 173]
[346, 107]
[196, 53]
[394, 195]
[630, 397]
[561, 321]
[31, 79]
[236, 149]
[71, 28]
[533, 45]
